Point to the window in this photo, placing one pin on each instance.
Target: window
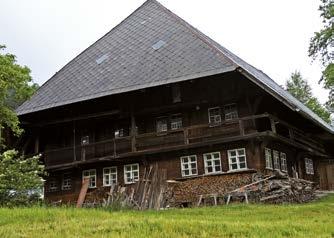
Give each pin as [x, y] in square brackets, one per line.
[162, 124]
[214, 115]
[309, 166]
[268, 157]
[52, 185]
[67, 182]
[237, 159]
[109, 176]
[230, 111]
[91, 175]
[189, 165]
[212, 162]
[284, 166]
[176, 122]
[131, 173]
[119, 133]
[276, 159]
[85, 140]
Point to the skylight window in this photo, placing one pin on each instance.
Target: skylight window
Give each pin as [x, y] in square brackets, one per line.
[158, 45]
[102, 58]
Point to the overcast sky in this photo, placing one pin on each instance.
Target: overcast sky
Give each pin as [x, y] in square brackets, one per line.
[269, 34]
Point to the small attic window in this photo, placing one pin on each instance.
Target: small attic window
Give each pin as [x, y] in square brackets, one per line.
[102, 58]
[158, 45]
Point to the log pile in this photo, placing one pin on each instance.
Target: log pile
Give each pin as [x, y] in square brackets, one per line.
[277, 188]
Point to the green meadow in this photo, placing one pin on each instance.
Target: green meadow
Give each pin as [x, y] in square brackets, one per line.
[302, 220]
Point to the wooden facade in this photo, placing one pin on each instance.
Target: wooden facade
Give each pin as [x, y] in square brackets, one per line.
[128, 133]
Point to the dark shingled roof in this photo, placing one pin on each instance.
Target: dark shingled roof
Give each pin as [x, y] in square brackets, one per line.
[151, 47]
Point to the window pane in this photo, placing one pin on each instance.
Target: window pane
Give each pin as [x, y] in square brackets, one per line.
[241, 152]
[242, 165]
[232, 153]
[241, 159]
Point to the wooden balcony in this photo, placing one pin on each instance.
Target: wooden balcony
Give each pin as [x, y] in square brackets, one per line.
[187, 136]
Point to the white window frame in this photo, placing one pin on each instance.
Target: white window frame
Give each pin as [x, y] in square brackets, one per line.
[215, 119]
[309, 166]
[176, 122]
[53, 185]
[161, 127]
[109, 177]
[230, 114]
[237, 159]
[212, 161]
[66, 183]
[269, 158]
[132, 178]
[284, 164]
[92, 177]
[276, 160]
[187, 165]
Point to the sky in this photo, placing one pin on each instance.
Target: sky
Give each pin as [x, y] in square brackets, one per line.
[269, 34]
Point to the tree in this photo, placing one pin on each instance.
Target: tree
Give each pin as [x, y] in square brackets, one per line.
[20, 177]
[321, 47]
[15, 87]
[301, 90]
[20, 180]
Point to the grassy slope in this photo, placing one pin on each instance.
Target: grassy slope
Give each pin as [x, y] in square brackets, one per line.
[308, 220]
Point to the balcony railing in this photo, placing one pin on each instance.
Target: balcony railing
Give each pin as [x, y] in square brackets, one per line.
[115, 147]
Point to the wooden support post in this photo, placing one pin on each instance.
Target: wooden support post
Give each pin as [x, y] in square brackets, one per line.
[36, 149]
[241, 127]
[199, 200]
[215, 199]
[291, 134]
[133, 133]
[228, 199]
[186, 134]
[83, 192]
[272, 124]
[246, 197]
[74, 139]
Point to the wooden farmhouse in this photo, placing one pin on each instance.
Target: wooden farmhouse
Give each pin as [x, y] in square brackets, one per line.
[155, 90]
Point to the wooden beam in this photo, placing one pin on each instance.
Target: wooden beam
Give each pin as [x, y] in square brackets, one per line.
[241, 127]
[83, 192]
[78, 118]
[133, 133]
[74, 139]
[273, 125]
[36, 149]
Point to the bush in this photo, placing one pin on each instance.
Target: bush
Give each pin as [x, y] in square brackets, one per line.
[20, 179]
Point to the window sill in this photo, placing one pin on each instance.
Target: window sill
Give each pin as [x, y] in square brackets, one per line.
[237, 170]
[128, 183]
[190, 176]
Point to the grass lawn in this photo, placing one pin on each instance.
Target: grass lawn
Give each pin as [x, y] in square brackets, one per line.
[307, 220]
